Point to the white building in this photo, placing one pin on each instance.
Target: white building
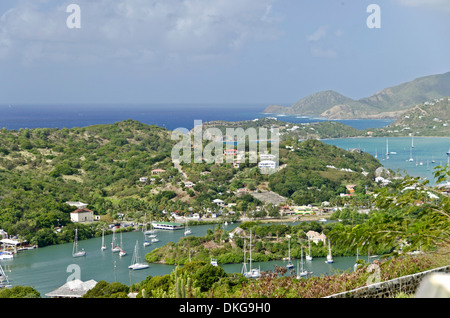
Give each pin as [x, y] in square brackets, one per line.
[219, 202]
[72, 289]
[189, 184]
[266, 156]
[267, 164]
[82, 215]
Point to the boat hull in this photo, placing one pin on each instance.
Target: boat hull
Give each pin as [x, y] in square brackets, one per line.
[138, 266]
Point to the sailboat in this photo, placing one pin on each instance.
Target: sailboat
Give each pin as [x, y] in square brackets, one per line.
[244, 270]
[308, 256]
[75, 252]
[151, 231]
[411, 159]
[114, 247]
[253, 272]
[187, 230]
[146, 243]
[387, 148]
[103, 240]
[412, 141]
[302, 272]
[122, 251]
[289, 264]
[356, 262]
[329, 256]
[136, 264]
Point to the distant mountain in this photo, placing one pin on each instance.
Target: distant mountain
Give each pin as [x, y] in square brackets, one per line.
[388, 103]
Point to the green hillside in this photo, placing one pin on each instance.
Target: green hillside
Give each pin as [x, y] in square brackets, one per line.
[431, 118]
[407, 95]
[101, 165]
[391, 102]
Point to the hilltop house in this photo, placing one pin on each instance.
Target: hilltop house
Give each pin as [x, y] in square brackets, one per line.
[219, 202]
[158, 171]
[82, 215]
[267, 164]
[230, 152]
[72, 289]
[316, 237]
[266, 156]
[189, 184]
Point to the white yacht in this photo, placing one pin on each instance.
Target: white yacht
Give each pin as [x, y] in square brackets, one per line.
[187, 230]
[122, 251]
[136, 264]
[289, 264]
[253, 272]
[103, 248]
[329, 256]
[75, 251]
[308, 256]
[302, 272]
[115, 248]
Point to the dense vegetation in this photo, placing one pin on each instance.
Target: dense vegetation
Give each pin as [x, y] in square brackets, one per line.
[431, 118]
[270, 242]
[41, 169]
[307, 179]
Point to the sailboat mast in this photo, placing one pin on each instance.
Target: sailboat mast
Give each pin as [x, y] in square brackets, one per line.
[250, 249]
[75, 248]
[387, 148]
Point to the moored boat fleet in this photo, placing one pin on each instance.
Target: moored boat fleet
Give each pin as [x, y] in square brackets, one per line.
[150, 236]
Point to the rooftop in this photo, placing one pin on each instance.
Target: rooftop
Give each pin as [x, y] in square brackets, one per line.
[73, 289]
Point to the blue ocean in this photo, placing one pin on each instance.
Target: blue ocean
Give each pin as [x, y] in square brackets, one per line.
[170, 116]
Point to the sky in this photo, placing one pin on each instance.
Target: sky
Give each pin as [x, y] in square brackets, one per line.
[221, 51]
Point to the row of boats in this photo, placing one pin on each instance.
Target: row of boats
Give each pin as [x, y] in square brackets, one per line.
[150, 236]
[256, 272]
[301, 271]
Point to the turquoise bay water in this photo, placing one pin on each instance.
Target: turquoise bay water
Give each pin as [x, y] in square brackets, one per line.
[426, 149]
[47, 268]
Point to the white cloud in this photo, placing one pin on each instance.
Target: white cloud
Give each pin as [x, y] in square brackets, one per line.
[319, 34]
[320, 41]
[141, 30]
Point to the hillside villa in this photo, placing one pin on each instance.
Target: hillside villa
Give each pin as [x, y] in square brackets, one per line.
[316, 237]
[82, 215]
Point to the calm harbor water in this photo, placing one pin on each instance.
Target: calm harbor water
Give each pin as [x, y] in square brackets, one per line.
[47, 268]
